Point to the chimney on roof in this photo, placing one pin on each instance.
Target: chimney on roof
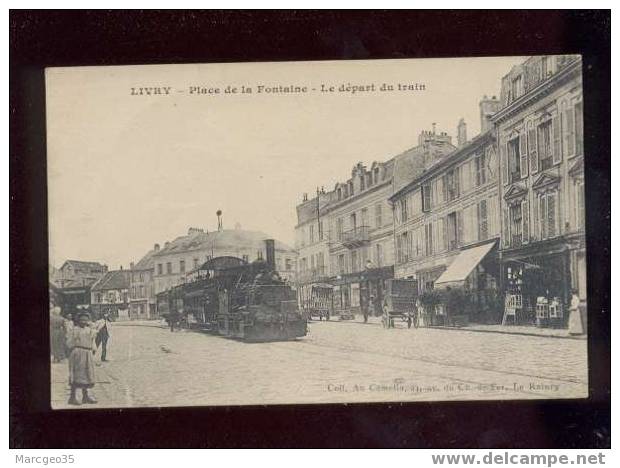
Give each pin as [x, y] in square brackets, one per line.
[488, 107]
[156, 247]
[461, 132]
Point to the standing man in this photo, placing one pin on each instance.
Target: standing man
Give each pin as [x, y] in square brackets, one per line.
[103, 335]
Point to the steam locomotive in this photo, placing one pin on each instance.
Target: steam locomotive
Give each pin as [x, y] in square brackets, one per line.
[237, 299]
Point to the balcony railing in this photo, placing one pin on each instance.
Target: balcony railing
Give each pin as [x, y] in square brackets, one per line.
[313, 274]
[356, 237]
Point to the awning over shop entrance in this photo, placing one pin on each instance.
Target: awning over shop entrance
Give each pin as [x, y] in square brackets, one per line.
[463, 265]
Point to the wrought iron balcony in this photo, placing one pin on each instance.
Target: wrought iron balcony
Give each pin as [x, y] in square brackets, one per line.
[356, 237]
[313, 274]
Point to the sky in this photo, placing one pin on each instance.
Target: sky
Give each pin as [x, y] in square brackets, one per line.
[126, 171]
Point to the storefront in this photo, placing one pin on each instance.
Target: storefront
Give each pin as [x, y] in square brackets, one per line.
[353, 291]
[537, 284]
[469, 286]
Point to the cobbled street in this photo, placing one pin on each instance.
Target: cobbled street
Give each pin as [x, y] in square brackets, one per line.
[335, 362]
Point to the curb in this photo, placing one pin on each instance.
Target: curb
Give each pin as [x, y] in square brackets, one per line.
[501, 332]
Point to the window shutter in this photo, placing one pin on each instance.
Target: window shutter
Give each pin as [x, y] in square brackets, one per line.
[557, 140]
[444, 189]
[532, 148]
[535, 227]
[504, 162]
[525, 221]
[543, 216]
[568, 126]
[578, 128]
[551, 215]
[459, 224]
[506, 228]
[523, 153]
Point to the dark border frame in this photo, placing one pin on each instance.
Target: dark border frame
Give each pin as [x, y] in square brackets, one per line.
[64, 38]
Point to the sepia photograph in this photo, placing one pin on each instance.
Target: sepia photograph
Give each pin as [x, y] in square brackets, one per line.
[313, 232]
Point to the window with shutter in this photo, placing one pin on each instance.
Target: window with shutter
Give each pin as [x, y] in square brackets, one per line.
[557, 140]
[551, 215]
[459, 224]
[581, 207]
[483, 224]
[542, 209]
[504, 162]
[532, 147]
[568, 128]
[523, 154]
[578, 128]
[525, 220]
[506, 227]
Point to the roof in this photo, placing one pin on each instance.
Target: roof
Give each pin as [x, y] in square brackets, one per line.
[146, 262]
[84, 265]
[220, 239]
[449, 159]
[116, 279]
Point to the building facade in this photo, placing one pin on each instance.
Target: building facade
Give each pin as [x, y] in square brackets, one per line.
[346, 236]
[540, 137]
[177, 258]
[142, 299]
[446, 222]
[110, 295]
[77, 273]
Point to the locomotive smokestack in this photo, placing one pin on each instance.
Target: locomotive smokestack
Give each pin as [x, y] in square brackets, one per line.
[270, 249]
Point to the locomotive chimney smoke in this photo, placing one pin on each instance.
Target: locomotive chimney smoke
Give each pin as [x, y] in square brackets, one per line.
[270, 250]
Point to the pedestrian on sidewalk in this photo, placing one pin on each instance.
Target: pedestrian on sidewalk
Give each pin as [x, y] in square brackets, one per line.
[81, 342]
[57, 335]
[103, 335]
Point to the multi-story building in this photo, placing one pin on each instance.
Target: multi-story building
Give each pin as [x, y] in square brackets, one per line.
[446, 220]
[353, 225]
[110, 294]
[76, 273]
[179, 257]
[142, 300]
[540, 136]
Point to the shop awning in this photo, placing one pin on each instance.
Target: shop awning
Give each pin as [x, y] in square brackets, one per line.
[463, 265]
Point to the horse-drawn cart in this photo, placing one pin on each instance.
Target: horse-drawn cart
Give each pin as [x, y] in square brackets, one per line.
[399, 302]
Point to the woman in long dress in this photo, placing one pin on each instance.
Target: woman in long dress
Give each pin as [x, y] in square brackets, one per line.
[81, 342]
[57, 335]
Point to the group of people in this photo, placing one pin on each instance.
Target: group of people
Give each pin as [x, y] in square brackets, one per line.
[76, 338]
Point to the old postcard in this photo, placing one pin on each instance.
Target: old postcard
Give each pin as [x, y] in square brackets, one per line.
[317, 232]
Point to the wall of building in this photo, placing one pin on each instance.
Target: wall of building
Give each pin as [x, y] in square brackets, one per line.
[463, 211]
